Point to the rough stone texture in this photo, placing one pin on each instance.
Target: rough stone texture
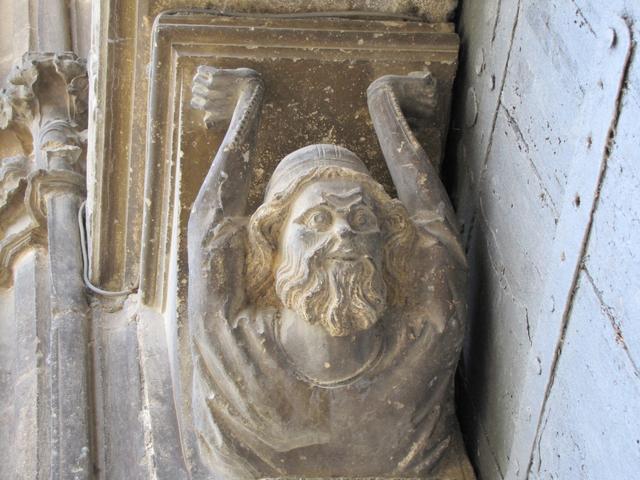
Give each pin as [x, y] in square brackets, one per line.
[546, 150]
[116, 414]
[547, 114]
[181, 151]
[124, 420]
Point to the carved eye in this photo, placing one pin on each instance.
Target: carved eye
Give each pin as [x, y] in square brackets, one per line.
[318, 219]
[363, 219]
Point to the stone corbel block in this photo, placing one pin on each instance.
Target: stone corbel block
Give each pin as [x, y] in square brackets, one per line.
[316, 72]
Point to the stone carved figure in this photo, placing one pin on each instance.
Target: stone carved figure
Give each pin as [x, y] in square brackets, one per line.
[327, 325]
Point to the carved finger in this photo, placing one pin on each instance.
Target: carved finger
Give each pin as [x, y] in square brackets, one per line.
[200, 89]
[213, 97]
[213, 108]
[205, 74]
[199, 102]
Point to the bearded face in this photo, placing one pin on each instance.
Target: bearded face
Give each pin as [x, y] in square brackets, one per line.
[328, 269]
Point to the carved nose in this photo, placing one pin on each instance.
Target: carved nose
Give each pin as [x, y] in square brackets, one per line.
[343, 230]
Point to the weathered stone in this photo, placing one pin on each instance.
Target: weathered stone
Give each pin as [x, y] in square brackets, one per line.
[342, 57]
[44, 107]
[321, 346]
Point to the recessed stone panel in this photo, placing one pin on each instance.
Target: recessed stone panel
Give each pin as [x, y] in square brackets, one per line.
[316, 72]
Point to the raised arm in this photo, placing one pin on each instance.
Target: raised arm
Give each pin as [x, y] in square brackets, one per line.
[415, 177]
[226, 94]
[215, 233]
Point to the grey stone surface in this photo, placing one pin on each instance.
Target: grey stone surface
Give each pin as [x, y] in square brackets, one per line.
[596, 380]
[320, 345]
[552, 83]
[43, 114]
[597, 374]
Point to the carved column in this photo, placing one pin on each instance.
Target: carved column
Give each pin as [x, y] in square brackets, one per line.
[45, 107]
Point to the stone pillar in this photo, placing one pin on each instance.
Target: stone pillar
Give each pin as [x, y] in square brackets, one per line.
[45, 107]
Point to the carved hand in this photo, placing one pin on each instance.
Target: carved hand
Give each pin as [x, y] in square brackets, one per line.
[416, 93]
[217, 91]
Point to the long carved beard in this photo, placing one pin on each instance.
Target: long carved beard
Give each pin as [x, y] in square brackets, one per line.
[344, 297]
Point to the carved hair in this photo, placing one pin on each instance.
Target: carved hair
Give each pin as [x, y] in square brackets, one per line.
[265, 224]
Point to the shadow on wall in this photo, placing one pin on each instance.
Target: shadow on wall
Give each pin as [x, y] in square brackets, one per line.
[474, 365]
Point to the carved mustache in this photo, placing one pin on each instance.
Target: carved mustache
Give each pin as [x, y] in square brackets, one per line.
[333, 249]
[298, 271]
[347, 254]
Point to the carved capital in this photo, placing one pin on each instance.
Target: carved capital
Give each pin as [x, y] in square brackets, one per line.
[42, 184]
[23, 207]
[45, 99]
[45, 81]
[60, 147]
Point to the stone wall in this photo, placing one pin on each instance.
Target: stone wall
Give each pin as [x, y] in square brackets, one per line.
[546, 181]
